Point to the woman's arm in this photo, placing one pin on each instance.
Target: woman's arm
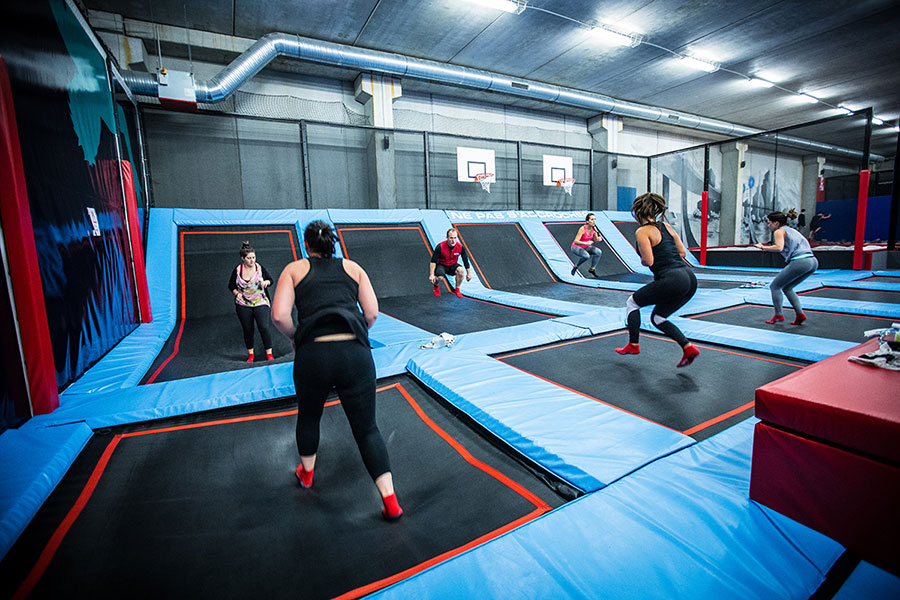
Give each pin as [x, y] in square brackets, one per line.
[366, 297]
[778, 246]
[597, 236]
[645, 248]
[682, 251]
[283, 303]
[267, 279]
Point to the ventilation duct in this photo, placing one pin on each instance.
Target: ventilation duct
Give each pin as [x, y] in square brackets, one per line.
[273, 45]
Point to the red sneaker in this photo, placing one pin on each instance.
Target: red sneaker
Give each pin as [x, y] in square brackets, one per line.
[690, 353]
[437, 291]
[270, 356]
[304, 476]
[250, 358]
[775, 319]
[629, 348]
[798, 320]
[458, 293]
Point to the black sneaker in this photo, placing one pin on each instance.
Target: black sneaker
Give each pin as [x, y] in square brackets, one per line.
[593, 272]
[574, 270]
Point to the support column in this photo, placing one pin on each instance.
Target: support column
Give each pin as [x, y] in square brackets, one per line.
[732, 210]
[813, 169]
[377, 93]
[604, 131]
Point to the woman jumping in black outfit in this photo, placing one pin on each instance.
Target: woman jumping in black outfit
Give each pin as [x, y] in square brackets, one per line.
[331, 340]
[673, 281]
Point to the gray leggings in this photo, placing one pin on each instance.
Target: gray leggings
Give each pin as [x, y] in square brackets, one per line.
[586, 252]
[791, 275]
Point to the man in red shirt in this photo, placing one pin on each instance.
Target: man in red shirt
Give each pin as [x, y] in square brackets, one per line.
[445, 261]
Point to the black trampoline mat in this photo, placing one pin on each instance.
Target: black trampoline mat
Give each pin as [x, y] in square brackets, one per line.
[207, 335]
[699, 400]
[836, 326]
[883, 279]
[209, 505]
[628, 229]
[862, 295]
[396, 257]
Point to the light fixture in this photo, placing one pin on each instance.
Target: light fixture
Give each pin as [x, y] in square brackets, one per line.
[844, 110]
[699, 63]
[505, 5]
[808, 98]
[609, 35]
[877, 120]
[760, 83]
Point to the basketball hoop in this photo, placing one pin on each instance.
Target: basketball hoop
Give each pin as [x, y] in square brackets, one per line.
[483, 179]
[566, 184]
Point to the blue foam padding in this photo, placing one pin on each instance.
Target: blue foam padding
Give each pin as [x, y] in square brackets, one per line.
[586, 443]
[354, 215]
[868, 582]
[618, 242]
[215, 217]
[33, 460]
[858, 307]
[682, 526]
[388, 331]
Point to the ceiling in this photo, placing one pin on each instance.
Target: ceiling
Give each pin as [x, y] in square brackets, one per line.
[845, 53]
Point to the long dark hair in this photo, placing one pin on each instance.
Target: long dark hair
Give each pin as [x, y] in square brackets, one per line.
[647, 207]
[319, 238]
[246, 249]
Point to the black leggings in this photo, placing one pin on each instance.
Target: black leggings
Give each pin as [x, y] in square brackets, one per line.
[347, 367]
[669, 291]
[260, 314]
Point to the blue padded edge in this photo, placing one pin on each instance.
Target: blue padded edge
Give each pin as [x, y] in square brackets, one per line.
[868, 582]
[600, 444]
[32, 462]
[619, 243]
[881, 309]
[354, 215]
[502, 216]
[682, 526]
[388, 331]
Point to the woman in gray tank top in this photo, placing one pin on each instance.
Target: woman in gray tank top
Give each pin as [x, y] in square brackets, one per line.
[801, 263]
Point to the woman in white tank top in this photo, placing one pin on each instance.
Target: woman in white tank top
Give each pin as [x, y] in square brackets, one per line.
[801, 263]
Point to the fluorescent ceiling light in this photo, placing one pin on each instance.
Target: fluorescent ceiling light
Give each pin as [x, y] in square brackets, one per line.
[611, 36]
[877, 120]
[844, 110]
[506, 5]
[699, 63]
[808, 98]
[760, 83]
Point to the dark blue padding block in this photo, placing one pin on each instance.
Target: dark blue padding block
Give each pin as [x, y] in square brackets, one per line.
[584, 442]
[680, 527]
[33, 460]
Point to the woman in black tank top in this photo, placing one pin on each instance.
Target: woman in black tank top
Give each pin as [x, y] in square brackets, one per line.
[332, 353]
[673, 281]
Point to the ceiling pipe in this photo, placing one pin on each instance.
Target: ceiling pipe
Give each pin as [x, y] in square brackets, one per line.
[271, 46]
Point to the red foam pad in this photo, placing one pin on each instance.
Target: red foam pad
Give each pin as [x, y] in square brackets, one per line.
[848, 497]
[844, 403]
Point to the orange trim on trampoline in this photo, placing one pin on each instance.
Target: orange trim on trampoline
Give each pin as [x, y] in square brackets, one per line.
[719, 419]
[472, 258]
[43, 561]
[541, 507]
[177, 344]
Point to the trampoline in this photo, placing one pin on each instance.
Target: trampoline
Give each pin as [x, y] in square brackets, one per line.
[207, 336]
[506, 260]
[628, 228]
[699, 400]
[882, 279]
[207, 505]
[859, 294]
[835, 326]
[611, 265]
[396, 257]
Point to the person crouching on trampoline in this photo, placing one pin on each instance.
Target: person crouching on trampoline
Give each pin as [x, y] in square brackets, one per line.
[673, 281]
[583, 245]
[801, 263]
[331, 342]
[445, 261]
[248, 283]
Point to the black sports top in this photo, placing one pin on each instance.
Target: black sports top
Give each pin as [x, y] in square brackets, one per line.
[326, 301]
[665, 253]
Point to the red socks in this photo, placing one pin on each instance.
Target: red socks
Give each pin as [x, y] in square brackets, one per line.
[690, 353]
[775, 319]
[305, 476]
[458, 293]
[392, 510]
[629, 348]
[798, 320]
[270, 356]
[250, 356]
[437, 291]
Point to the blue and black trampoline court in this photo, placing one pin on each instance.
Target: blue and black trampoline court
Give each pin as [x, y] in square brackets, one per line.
[531, 460]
